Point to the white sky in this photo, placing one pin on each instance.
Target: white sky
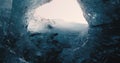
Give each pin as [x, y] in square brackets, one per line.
[68, 10]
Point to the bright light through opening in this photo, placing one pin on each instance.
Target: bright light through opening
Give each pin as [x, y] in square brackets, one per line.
[67, 10]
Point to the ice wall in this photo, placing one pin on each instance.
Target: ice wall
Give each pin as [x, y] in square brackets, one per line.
[103, 18]
[5, 3]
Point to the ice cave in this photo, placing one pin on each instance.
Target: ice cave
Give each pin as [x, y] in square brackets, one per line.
[27, 38]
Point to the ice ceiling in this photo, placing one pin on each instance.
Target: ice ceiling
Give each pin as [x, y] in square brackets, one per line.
[67, 10]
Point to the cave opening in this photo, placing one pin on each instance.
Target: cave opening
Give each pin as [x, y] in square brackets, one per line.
[63, 12]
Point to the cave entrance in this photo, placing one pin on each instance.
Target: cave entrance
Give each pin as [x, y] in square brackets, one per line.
[61, 11]
[67, 10]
